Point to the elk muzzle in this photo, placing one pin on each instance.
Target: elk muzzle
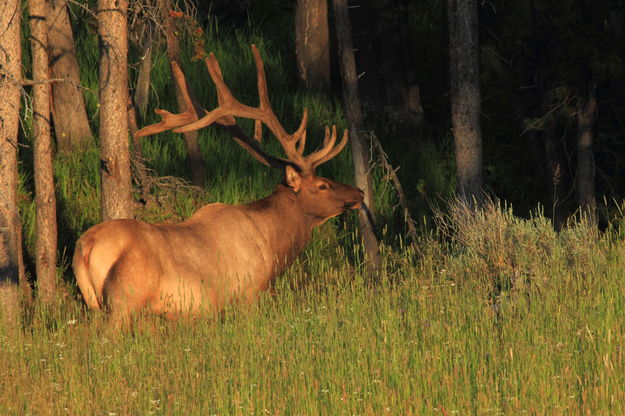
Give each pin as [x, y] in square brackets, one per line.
[355, 203]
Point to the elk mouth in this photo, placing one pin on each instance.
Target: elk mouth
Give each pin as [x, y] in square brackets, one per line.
[352, 204]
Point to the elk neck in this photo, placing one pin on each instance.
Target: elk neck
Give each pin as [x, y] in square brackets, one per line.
[282, 222]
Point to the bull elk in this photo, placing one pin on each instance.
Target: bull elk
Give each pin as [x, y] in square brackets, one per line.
[222, 253]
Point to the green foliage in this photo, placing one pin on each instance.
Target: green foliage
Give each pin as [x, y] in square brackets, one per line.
[500, 253]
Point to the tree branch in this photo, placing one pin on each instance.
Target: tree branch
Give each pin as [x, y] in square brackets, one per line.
[392, 175]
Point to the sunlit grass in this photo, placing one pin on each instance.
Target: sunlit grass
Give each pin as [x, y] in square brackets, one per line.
[332, 342]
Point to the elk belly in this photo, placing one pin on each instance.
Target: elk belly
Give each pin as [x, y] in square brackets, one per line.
[184, 296]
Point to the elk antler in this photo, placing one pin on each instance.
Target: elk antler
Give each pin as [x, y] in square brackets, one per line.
[229, 108]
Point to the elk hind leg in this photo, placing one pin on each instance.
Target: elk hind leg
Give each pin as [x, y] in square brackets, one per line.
[124, 295]
[83, 275]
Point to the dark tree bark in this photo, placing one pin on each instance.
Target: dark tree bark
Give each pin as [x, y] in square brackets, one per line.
[11, 264]
[586, 112]
[46, 244]
[396, 60]
[71, 125]
[194, 157]
[144, 42]
[116, 198]
[312, 44]
[360, 152]
[142, 89]
[464, 76]
[138, 102]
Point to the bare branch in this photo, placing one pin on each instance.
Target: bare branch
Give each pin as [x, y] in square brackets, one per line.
[391, 174]
[29, 82]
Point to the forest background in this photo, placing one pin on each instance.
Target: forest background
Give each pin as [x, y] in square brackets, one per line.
[526, 264]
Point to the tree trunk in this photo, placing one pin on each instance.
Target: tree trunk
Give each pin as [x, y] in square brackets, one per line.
[312, 45]
[71, 125]
[142, 89]
[464, 77]
[138, 103]
[11, 263]
[585, 161]
[116, 199]
[142, 39]
[354, 118]
[45, 250]
[194, 157]
[396, 61]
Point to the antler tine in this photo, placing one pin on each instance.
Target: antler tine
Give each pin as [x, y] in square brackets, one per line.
[212, 64]
[301, 144]
[261, 80]
[258, 130]
[333, 150]
[328, 143]
[300, 133]
[288, 141]
[170, 120]
[224, 95]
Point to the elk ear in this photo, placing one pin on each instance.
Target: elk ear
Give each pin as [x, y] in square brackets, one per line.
[293, 179]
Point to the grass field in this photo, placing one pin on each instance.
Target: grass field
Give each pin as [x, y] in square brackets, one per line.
[505, 318]
[490, 314]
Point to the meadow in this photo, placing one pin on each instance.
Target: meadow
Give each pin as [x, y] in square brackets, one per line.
[488, 313]
[510, 319]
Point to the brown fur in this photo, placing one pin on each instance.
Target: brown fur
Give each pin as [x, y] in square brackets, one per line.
[220, 254]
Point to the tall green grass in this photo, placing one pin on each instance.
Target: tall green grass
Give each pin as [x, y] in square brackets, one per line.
[428, 336]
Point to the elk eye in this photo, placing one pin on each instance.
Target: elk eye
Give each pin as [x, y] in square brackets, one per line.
[323, 187]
